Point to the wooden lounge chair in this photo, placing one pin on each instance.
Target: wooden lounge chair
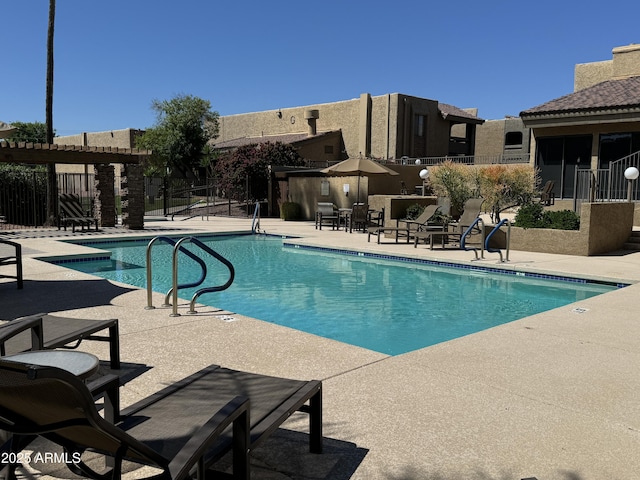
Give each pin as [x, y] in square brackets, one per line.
[156, 429]
[11, 254]
[56, 405]
[57, 332]
[71, 212]
[326, 213]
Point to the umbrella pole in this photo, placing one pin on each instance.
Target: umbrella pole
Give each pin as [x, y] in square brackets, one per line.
[358, 196]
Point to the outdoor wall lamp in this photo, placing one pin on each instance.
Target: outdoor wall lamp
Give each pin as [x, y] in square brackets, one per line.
[345, 189]
[630, 174]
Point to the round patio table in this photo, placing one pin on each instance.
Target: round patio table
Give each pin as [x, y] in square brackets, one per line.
[81, 364]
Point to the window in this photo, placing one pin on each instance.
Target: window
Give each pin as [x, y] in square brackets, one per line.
[513, 140]
[419, 125]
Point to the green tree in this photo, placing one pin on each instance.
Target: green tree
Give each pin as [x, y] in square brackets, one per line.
[34, 132]
[249, 166]
[178, 140]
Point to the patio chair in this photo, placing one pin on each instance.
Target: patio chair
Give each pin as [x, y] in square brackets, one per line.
[71, 212]
[21, 334]
[361, 218]
[11, 254]
[326, 213]
[547, 197]
[172, 430]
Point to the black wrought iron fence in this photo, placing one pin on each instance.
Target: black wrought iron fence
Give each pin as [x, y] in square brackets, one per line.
[23, 198]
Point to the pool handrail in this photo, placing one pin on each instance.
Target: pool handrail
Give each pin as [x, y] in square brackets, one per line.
[468, 232]
[497, 250]
[176, 249]
[191, 255]
[255, 224]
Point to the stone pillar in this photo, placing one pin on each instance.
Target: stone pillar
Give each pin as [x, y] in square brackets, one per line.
[132, 195]
[105, 199]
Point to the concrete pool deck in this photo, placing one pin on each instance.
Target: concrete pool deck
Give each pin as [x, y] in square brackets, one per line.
[553, 396]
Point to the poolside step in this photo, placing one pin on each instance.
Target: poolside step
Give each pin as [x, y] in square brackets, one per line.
[633, 243]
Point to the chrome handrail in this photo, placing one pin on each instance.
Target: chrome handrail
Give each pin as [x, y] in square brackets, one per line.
[171, 241]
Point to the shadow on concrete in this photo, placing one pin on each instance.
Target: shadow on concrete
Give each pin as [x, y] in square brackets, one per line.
[50, 296]
[285, 456]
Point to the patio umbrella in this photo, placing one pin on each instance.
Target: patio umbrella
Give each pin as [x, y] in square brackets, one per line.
[358, 166]
[6, 130]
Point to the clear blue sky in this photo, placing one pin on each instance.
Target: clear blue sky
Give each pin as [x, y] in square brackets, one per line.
[113, 58]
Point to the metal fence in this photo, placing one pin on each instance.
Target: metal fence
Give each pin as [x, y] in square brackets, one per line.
[23, 196]
[607, 184]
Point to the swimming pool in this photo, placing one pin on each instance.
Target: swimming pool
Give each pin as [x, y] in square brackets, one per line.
[362, 299]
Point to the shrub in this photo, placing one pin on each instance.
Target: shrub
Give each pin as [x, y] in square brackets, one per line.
[561, 220]
[414, 211]
[290, 211]
[533, 215]
[529, 216]
[454, 180]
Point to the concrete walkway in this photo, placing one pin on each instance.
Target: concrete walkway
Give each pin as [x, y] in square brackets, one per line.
[553, 396]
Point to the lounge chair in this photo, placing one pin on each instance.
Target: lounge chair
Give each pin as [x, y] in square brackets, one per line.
[71, 212]
[57, 332]
[472, 209]
[58, 406]
[453, 230]
[156, 429]
[326, 213]
[422, 220]
[11, 254]
[404, 227]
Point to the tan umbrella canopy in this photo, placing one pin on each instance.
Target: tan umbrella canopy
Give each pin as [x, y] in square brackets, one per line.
[6, 130]
[358, 166]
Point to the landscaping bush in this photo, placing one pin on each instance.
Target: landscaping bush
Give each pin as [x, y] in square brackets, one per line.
[290, 211]
[414, 211]
[529, 216]
[561, 220]
[533, 215]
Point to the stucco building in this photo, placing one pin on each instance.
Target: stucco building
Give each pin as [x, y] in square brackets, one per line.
[388, 126]
[592, 128]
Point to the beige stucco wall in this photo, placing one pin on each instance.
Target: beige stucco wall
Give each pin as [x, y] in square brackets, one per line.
[589, 74]
[604, 227]
[625, 63]
[490, 138]
[372, 126]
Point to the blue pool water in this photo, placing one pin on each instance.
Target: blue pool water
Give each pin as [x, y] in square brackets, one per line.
[388, 306]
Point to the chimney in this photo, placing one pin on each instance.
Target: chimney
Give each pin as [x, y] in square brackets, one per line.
[311, 116]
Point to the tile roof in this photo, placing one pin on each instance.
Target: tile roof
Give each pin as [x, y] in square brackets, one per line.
[449, 110]
[609, 95]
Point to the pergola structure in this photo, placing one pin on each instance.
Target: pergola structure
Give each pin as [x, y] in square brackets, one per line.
[102, 158]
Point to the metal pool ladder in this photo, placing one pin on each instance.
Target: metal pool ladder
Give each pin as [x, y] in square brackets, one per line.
[177, 248]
